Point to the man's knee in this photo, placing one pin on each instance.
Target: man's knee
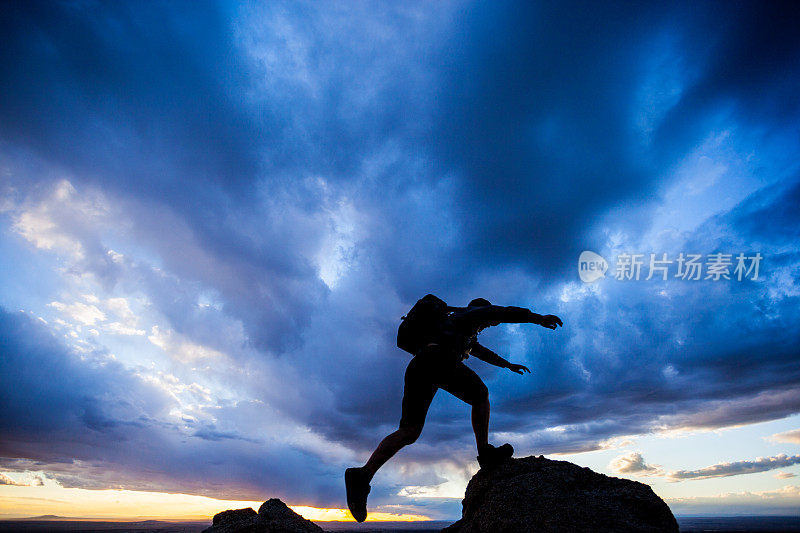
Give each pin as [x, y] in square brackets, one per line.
[409, 434]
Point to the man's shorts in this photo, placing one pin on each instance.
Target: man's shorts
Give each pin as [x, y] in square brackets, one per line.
[431, 371]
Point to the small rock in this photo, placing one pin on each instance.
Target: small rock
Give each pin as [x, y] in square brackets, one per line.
[273, 516]
[277, 516]
[234, 521]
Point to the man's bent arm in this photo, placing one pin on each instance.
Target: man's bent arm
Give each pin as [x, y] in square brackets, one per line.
[485, 354]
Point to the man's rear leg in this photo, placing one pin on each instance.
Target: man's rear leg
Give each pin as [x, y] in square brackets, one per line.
[389, 446]
[357, 479]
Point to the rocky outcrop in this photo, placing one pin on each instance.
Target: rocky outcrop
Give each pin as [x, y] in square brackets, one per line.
[272, 517]
[536, 494]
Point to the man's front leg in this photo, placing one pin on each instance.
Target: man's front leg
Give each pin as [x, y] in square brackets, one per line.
[480, 422]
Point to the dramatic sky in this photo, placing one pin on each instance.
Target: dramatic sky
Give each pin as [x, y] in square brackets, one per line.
[213, 216]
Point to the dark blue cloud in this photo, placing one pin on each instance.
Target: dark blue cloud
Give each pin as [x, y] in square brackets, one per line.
[539, 112]
[153, 104]
[85, 83]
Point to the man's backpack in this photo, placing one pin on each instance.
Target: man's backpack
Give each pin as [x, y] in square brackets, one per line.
[422, 324]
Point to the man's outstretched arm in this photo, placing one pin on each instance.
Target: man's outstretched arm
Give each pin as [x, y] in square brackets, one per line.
[485, 354]
[492, 315]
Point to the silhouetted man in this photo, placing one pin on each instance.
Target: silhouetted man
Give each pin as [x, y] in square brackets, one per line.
[446, 337]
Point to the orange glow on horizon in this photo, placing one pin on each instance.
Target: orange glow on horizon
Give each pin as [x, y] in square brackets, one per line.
[128, 505]
[343, 515]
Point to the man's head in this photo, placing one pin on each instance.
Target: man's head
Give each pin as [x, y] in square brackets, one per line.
[479, 302]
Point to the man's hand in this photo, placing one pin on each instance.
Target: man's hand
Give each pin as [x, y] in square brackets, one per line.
[519, 369]
[550, 321]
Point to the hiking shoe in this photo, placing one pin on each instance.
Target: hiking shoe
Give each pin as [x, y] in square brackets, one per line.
[357, 484]
[489, 456]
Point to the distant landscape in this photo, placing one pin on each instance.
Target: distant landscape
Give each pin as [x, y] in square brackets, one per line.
[761, 524]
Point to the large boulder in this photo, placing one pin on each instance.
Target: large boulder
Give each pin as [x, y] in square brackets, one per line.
[272, 517]
[537, 494]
